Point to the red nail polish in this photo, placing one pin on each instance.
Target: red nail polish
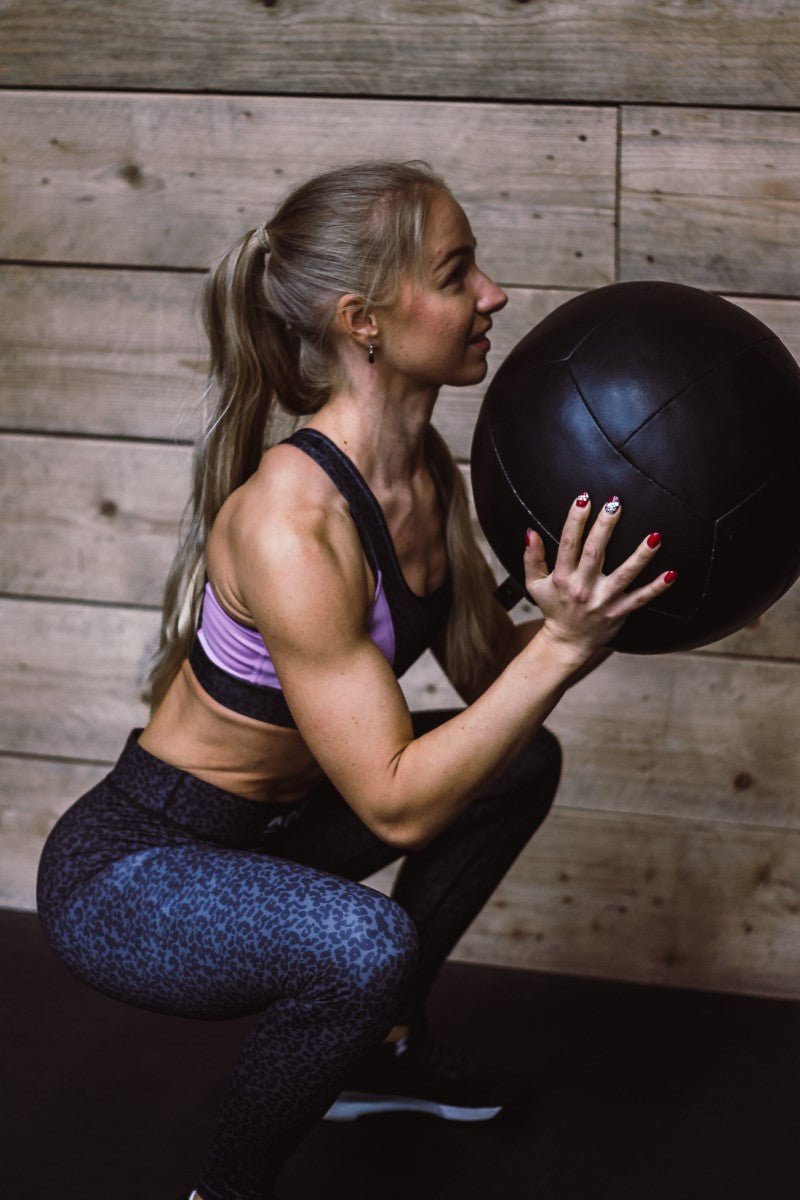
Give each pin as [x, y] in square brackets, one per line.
[670, 576]
[527, 537]
[582, 500]
[654, 540]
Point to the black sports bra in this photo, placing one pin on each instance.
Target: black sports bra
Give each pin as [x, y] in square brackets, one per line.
[230, 659]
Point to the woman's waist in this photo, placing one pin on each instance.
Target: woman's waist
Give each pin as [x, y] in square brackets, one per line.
[253, 777]
[183, 800]
[241, 755]
[254, 782]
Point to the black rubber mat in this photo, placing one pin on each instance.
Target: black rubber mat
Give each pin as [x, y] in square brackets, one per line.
[643, 1093]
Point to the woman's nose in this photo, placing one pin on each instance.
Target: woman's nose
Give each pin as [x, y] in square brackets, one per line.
[493, 297]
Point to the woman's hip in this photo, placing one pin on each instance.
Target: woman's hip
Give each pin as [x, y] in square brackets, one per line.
[144, 803]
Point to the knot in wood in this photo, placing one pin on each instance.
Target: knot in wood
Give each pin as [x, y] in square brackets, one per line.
[132, 174]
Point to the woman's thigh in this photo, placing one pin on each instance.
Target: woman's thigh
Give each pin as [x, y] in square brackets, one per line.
[204, 931]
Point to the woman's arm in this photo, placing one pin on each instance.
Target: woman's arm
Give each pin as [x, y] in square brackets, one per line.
[526, 630]
[303, 577]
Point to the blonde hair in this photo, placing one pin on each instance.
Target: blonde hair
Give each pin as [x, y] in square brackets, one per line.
[268, 315]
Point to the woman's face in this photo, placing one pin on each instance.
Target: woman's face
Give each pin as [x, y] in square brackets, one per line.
[435, 333]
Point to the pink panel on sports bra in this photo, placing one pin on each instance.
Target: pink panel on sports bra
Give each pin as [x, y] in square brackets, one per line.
[241, 651]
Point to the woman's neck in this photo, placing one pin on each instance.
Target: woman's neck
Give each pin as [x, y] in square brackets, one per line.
[385, 437]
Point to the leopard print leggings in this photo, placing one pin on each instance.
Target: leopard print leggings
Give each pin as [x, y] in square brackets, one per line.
[171, 894]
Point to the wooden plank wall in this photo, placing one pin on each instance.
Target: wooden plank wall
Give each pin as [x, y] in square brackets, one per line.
[589, 142]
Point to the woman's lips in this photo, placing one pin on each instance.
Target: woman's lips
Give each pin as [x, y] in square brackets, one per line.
[481, 340]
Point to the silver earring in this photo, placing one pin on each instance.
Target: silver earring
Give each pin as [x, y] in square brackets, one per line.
[371, 353]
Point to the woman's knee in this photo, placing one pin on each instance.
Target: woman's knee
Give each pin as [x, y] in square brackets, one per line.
[371, 945]
[399, 941]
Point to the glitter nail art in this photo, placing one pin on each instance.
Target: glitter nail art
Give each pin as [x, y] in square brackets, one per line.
[612, 504]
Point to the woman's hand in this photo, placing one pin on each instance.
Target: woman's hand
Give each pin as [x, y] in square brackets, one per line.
[582, 608]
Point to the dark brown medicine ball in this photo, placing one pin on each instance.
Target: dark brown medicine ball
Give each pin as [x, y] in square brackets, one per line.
[687, 408]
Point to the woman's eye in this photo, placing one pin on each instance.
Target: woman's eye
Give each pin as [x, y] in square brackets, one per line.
[455, 275]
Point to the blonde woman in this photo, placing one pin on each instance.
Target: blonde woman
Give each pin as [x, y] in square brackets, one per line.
[215, 871]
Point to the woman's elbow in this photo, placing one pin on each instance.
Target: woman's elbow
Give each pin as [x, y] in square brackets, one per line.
[400, 833]
[391, 818]
[394, 824]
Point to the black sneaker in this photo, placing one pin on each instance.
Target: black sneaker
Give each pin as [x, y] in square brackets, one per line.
[426, 1076]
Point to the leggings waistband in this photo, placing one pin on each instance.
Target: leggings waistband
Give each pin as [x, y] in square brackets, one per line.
[192, 804]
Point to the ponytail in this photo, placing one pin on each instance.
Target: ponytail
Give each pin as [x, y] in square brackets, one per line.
[253, 359]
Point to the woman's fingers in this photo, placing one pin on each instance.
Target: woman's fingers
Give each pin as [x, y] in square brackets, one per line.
[581, 606]
[578, 565]
[643, 595]
[626, 572]
[534, 559]
[624, 575]
[591, 560]
[569, 548]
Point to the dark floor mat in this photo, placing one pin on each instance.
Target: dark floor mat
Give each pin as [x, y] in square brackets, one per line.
[642, 1093]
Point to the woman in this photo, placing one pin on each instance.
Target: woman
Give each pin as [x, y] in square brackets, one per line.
[215, 871]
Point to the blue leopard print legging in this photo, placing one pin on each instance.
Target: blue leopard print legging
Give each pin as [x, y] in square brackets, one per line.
[171, 894]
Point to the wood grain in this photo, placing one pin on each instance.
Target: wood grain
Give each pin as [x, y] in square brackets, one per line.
[582, 140]
[71, 676]
[601, 51]
[171, 181]
[773, 635]
[90, 519]
[101, 521]
[36, 791]
[711, 198]
[87, 350]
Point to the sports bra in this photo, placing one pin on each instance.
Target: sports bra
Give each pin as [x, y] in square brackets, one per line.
[230, 659]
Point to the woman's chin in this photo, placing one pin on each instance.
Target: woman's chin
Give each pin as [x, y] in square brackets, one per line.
[473, 373]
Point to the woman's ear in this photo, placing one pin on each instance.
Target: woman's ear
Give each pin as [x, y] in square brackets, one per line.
[355, 321]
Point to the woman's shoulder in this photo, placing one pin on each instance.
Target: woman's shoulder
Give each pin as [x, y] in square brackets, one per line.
[287, 488]
[288, 491]
[287, 505]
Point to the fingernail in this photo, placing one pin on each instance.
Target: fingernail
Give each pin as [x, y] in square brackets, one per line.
[582, 500]
[528, 533]
[670, 576]
[612, 504]
[654, 540]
